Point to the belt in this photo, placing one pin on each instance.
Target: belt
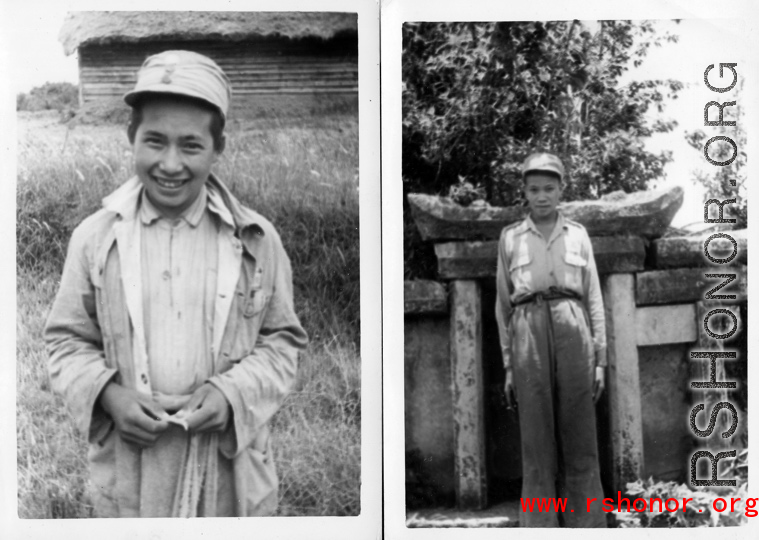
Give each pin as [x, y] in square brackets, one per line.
[552, 293]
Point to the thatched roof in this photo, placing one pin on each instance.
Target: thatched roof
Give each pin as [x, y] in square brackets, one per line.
[103, 27]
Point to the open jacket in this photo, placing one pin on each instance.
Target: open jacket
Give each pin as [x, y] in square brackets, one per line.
[95, 334]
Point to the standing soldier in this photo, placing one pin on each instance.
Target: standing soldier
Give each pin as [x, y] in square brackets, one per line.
[173, 337]
[551, 322]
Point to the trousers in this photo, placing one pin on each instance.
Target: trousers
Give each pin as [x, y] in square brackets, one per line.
[553, 360]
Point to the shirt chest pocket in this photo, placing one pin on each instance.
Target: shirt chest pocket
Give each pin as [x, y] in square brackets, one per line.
[519, 261]
[574, 264]
[255, 301]
[519, 267]
[250, 312]
[575, 259]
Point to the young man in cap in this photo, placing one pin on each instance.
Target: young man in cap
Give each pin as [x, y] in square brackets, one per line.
[551, 322]
[173, 337]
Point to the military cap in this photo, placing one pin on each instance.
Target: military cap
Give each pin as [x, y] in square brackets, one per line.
[186, 73]
[545, 162]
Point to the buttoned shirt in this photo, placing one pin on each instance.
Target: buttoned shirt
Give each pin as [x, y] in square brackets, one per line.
[179, 267]
[530, 263]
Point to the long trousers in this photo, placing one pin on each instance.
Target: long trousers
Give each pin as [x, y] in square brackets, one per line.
[553, 359]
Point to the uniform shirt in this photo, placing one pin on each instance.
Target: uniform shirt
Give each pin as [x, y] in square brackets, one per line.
[528, 263]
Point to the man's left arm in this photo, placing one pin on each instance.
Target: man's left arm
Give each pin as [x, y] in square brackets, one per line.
[255, 387]
[593, 300]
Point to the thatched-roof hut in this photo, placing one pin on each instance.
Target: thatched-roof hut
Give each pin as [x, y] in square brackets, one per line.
[295, 62]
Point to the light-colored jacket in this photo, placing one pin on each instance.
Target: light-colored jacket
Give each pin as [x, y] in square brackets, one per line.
[94, 334]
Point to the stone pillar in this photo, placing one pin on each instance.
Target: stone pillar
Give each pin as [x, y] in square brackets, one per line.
[468, 394]
[623, 379]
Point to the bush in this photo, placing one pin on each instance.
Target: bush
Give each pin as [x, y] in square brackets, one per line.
[700, 510]
[479, 97]
[50, 96]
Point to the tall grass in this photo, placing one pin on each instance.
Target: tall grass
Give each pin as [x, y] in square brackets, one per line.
[304, 179]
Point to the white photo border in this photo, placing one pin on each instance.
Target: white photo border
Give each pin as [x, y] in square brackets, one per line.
[368, 523]
[741, 16]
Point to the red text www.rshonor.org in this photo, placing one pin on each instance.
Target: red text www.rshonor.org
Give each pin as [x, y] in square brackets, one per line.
[624, 504]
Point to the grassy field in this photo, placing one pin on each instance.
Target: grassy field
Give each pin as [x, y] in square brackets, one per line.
[305, 180]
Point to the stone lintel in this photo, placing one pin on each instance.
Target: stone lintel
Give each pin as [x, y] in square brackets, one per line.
[424, 297]
[618, 254]
[680, 285]
[466, 260]
[468, 395]
[645, 213]
[470, 260]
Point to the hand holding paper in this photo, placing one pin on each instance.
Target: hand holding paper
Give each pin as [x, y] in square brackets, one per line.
[207, 410]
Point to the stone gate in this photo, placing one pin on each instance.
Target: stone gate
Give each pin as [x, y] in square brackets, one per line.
[460, 440]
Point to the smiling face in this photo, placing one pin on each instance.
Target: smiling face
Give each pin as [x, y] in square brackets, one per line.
[173, 151]
[543, 191]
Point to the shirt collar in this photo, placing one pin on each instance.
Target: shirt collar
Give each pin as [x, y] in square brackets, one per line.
[217, 206]
[529, 225]
[192, 215]
[125, 201]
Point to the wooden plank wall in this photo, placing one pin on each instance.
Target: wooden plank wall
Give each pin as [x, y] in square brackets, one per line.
[255, 68]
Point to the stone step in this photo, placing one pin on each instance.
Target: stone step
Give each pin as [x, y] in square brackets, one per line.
[504, 515]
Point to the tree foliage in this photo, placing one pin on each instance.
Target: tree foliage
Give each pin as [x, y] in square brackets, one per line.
[479, 97]
[717, 183]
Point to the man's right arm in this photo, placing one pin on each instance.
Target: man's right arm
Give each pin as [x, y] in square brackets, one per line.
[503, 310]
[76, 360]
[503, 305]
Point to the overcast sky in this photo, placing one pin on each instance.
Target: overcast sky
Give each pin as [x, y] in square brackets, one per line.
[37, 57]
[702, 42]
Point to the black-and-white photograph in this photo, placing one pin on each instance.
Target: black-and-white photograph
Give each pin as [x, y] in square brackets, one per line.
[396, 269]
[559, 300]
[189, 322]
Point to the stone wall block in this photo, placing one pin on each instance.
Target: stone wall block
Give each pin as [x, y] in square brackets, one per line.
[424, 297]
[688, 251]
[680, 285]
